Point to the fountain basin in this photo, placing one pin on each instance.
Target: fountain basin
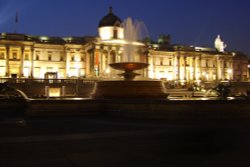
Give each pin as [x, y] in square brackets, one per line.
[129, 89]
[128, 68]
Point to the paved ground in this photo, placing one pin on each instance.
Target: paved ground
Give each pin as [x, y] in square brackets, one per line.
[114, 142]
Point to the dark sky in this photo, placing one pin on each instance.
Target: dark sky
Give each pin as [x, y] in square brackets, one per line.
[189, 22]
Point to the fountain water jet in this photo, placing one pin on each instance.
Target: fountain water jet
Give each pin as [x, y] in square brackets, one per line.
[133, 31]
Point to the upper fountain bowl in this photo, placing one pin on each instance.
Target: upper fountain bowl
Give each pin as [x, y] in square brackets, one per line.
[129, 66]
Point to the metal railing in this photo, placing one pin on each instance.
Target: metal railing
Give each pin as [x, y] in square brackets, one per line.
[47, 81]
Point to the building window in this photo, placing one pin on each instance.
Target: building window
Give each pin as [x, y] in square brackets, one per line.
[37, 55]
[161, 61]
[115, 33]
[113, 55]
[61, 58]
[61, 72]
[1, 55]
[170, 62]
[225, 64]
[26, 71]
[72, 58]
[26, 57]
[49, 57]
[77, 58]
[37, 72]
[207, 65]
[14, 55]
[214, 65]
[187, 62]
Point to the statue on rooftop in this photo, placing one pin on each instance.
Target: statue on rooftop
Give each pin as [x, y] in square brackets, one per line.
[219, 44]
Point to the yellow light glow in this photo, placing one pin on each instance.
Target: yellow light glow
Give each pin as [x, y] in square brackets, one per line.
[77, 58]
[105, 33]
[2, 71]
[121, 41]
[54, 92]
[151, 74]
[26, 71]
[44, 38]
[27, 63]
[107, 70]
[169, 77]
[229, 71]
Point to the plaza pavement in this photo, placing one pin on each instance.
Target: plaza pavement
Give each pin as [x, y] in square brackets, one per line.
[116, 141]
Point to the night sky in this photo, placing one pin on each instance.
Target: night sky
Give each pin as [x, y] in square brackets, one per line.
[189, 22]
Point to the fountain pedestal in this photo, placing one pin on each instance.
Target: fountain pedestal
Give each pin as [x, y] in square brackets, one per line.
[128, 88]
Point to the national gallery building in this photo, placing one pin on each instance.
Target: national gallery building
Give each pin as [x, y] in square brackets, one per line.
[27, 56]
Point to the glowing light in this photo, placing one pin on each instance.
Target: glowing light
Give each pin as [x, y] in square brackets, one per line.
[77, 58]
[151, 74]
[107, 33]
[27, 63]
[2, 71]
[54, 92]
[229, 71]
[170, 76]
[43, 38]
[107, 70]
[121, 41]
[26, 72]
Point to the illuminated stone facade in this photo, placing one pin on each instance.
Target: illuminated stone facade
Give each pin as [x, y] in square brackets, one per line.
[26, 56]
[34, 57]
[185, 63]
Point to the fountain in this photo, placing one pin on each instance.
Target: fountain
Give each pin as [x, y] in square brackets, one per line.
[129, 87]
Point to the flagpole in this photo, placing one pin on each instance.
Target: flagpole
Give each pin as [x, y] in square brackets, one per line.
[16, 22]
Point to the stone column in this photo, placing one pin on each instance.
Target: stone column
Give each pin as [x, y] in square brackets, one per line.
[174, 58]
[87, 63]
[66, 61]
[185, 72]
[222, 70]
[194, 67]
[97, 62]
[7, 61]
[109, 61]
[101, 67]
[32, 62]
[232, 71]
[152, 60]
[199, 62]
[21, 62]
[179, 67]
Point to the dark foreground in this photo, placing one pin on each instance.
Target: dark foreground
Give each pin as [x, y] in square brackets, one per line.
[116, 142]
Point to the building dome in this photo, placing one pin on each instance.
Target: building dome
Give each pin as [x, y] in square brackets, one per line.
[110, 20]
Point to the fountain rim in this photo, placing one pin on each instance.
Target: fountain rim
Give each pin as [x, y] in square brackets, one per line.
[125, 65]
